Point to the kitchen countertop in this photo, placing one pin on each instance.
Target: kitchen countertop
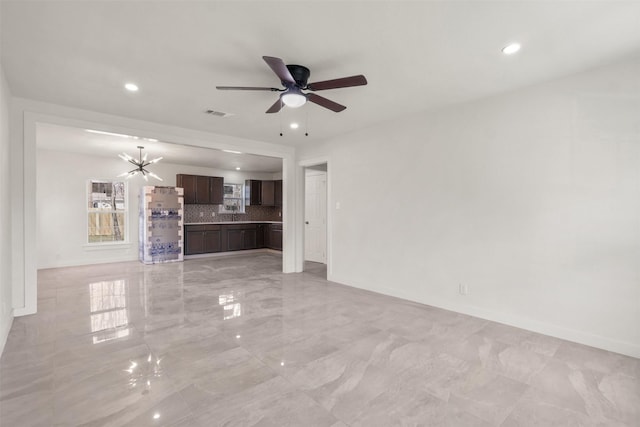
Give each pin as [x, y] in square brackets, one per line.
[232, 222]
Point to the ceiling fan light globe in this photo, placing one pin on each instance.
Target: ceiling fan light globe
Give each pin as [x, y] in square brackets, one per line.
[294, 100]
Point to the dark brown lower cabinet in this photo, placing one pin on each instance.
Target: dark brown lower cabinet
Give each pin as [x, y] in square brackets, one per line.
[261, 230]
[202, 239]
[193, 242]
[212, 241]
[211, 238]
[235, 240]
[251, 239]
[241, 236]
[275, 236]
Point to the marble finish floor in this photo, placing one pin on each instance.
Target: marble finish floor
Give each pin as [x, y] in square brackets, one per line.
[234, 342]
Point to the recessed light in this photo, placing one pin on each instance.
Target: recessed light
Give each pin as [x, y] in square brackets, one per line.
[156, 416]
[294, 126]
[237, 169]
[232, 151]
[131, 87]
[511, 49]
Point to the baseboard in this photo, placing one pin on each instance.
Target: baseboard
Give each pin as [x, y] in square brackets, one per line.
[5, 327]
[233, 253]
[81, 262]
[24, 311]
[581, 337]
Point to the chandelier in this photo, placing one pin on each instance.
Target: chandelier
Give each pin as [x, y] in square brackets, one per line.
[140, 165]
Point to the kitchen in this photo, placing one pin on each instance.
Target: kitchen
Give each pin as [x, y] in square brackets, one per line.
[222, 217]
[68, 158]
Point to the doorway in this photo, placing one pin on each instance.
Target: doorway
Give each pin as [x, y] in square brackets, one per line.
[315, 220]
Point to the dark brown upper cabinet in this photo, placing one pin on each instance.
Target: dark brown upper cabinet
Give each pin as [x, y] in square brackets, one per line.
[188, 183]
[201, 190]
[260, 193]
[216, 190]
[268, 193]
[253, 192]
[278, 192]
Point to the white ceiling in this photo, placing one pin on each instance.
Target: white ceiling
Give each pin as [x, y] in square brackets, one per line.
[416, 56]
[63, 138]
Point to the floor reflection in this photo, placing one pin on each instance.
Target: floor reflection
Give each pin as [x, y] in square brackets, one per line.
[162, 296]
[108, 305]
[141, 374]
[231, 306]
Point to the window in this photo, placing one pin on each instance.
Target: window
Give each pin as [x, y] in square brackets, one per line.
[233, 201]
[106, 211]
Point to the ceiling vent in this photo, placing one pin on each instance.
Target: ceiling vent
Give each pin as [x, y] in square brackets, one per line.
[218, 113]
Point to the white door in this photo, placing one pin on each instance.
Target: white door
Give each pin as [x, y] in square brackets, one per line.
[315, 210]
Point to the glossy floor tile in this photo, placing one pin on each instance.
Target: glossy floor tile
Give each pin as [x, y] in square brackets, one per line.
[231, 341]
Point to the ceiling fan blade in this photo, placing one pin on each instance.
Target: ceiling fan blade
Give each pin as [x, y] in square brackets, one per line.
[276, 107]
[324, 102]
[272, 89]
[279, 67]
[358, 80]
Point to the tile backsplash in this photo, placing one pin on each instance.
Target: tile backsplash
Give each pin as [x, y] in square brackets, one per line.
[253, 213]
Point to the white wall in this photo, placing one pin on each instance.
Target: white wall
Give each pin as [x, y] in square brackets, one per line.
[61, 204]
[6, 310]
[531, 199]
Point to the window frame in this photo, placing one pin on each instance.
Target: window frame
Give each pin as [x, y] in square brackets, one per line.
[243, 210]
[89, 210]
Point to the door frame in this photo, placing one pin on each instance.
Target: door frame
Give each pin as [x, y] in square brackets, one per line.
[309, 173]
[300, 228]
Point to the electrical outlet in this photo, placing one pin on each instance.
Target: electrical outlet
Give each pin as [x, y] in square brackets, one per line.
[201, 214]
[464, 289]
[213, 214]
[279, 213]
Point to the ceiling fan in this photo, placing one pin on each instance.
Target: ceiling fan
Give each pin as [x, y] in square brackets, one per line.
[294, 79]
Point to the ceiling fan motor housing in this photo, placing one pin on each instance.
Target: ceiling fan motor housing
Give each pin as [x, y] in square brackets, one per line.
[295, 79]
[300, 74]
